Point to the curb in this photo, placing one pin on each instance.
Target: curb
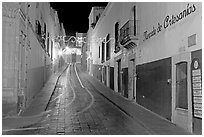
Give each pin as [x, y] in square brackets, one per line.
[115, 98]
[37, 117]
[55, 87]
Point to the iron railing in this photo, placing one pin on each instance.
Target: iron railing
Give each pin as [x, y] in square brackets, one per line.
[129, 30]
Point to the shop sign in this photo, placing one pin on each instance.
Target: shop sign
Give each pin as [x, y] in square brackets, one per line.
[169, 20]
[196, 79]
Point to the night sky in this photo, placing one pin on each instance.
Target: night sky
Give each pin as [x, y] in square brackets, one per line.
[74, 15]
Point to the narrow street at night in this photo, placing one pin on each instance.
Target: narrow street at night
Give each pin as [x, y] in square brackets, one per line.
[101, 68]
[78, 109]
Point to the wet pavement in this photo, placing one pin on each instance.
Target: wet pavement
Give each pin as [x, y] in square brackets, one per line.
[78, 109]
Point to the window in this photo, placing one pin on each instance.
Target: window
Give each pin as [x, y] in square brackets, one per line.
[181, 85]
[103, 52]
[97, 18]
[108, 47]
[38, 27]
[44, 35]
[134, 19]
[117, 48]
[135, 22]
[40, 34]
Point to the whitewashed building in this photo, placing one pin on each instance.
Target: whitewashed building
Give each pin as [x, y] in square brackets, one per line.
[152, 53]
[28, 52]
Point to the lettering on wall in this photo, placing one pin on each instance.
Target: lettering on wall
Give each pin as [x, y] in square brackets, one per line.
[169, 20]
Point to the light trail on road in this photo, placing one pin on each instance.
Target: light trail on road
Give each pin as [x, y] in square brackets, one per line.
[79, 110]
[78, 76]
[72, 89]
[23, 129]
[92, 97]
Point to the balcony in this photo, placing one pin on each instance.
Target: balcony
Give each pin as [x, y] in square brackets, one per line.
[129, 34]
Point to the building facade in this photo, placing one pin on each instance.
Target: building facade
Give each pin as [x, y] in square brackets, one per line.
[94, 17]
[27, 52]
[82, 44]
[151, 53]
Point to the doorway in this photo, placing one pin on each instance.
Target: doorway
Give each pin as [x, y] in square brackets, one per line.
[119, 76]
[112, 78]
[104, 75]
[132, 79]
[181, 91]
[125, 82]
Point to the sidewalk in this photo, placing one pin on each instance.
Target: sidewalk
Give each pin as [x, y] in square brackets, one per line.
[36, 109]
[149, 120]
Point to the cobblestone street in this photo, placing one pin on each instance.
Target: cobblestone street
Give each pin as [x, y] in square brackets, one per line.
[76, 110]
[113, 68]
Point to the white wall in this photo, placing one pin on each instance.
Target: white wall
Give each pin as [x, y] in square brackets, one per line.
[114, 12]
[172, 40]
[166, 43]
